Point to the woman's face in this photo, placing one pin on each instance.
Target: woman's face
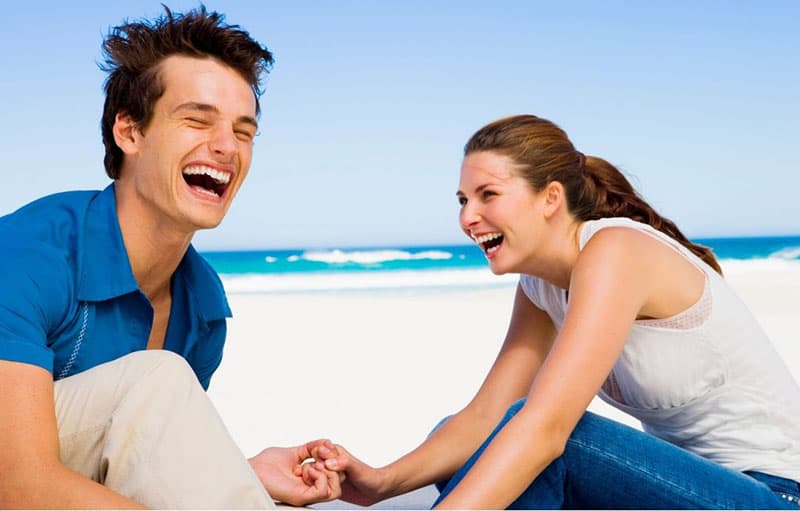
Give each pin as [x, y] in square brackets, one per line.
[498, 210]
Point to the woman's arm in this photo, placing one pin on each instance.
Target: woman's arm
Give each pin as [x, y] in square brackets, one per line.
[31, 474]
[610, 284]
[529, 337]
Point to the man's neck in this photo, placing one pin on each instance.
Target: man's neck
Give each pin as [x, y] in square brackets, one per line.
[155, 248]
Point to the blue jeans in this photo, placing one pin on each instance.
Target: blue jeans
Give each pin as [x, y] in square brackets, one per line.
[607, 465]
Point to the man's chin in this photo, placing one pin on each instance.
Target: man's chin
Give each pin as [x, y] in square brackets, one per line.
[204, 226]
[198, 222]
[207, 218]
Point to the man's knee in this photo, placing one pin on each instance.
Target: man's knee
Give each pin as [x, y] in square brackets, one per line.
[156, 387]
[96, 392]
[162, 367]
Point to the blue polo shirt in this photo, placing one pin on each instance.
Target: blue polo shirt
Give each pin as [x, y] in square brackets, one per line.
[69, 300]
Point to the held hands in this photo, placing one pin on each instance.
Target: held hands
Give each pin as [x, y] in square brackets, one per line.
[276, 468]
[360, 484]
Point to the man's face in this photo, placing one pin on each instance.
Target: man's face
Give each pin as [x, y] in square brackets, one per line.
[185, 167]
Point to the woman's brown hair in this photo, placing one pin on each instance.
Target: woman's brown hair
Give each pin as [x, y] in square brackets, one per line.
[594, 188]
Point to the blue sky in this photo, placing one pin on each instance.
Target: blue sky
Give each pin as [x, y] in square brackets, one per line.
[370, 102]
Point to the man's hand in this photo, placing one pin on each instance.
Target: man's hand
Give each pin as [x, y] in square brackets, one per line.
[275, 467]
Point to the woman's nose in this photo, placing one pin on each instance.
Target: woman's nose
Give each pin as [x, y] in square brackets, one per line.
[469, 216]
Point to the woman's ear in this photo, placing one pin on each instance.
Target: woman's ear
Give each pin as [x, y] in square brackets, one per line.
[553, 198]
[126, 133]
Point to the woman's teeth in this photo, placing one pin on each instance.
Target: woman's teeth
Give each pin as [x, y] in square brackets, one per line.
[487, 237]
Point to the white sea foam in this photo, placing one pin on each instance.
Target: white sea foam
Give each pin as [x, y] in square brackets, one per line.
[291, 282]
[350, 281]
[787, 253]
[768, 264]
[338, 256]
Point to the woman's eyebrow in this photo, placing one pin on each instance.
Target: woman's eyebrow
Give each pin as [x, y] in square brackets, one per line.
[478, 189]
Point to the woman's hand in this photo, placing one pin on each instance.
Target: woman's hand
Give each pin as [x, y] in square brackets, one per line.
[362, 485]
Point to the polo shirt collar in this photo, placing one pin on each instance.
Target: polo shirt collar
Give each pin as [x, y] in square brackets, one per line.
[106, 271]
[204, 285]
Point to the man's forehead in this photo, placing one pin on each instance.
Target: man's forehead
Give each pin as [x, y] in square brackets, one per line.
[205, 80]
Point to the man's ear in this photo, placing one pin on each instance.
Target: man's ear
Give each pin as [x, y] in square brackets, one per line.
[553, 198]
[126, 133]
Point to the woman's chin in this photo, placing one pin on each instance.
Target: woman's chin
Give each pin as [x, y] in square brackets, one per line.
[497, 269]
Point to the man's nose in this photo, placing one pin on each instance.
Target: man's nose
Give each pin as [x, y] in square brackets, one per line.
[223, 141]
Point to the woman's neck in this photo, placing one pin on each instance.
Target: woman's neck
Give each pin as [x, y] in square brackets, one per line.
[555, 262]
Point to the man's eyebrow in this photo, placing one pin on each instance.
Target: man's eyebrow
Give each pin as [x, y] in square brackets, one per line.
[193, 105]
[205, 107]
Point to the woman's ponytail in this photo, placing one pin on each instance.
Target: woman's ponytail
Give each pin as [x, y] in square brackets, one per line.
[607, 193]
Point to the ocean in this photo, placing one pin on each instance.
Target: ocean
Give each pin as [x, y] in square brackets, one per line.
[431, 267]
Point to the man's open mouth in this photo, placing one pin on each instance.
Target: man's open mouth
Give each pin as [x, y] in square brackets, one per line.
[207, 180]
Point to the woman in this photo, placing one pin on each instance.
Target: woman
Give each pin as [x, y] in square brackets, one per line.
[613, 299]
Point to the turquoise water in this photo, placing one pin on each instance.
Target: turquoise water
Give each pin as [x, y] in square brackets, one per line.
[262, 271]
[778, 248]
[347, 260]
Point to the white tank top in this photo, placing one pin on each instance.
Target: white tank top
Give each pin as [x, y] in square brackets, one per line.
[708, 379]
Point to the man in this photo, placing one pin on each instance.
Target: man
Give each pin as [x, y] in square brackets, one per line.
[111, 325]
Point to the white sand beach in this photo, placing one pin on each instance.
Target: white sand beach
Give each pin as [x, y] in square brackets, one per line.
[375, 371]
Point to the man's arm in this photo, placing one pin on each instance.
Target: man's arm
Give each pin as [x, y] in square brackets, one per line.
[31, 473]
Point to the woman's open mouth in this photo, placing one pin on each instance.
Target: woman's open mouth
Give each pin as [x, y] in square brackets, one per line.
[490, 242]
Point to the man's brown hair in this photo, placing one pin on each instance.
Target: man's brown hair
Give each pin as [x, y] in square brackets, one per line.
[132, 52]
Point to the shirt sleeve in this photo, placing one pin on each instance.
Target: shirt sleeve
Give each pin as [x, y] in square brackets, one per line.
[32, 301]
[208, 353]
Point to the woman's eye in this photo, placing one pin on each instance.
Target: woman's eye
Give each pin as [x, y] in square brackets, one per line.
[487, 194]
[462, 201]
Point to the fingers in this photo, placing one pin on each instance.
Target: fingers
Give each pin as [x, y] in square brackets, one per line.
[316, 450]
[305, 473]
[334, 456]
[308, 450]
[337, 458]
[322, 484]
[324, 450]
[334, 482]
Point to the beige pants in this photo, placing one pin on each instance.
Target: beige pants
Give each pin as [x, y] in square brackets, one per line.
[143, 426]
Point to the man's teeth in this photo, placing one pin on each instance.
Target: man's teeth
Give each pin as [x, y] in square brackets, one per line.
[487, 237]
[216, 175]
[202, 190]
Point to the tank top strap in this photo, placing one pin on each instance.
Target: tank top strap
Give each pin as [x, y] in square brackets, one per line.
[591, 227]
